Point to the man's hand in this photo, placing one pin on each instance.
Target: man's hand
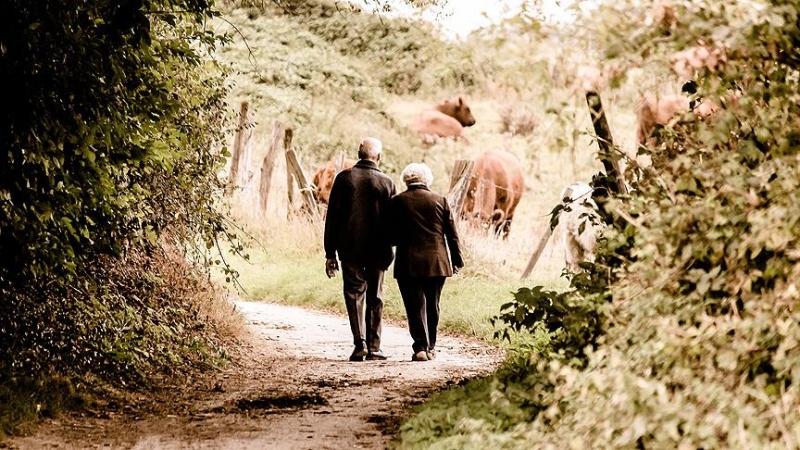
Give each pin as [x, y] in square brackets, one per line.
[456, 269]
[331, 267]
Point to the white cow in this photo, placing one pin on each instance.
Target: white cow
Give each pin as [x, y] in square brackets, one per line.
[579, 245]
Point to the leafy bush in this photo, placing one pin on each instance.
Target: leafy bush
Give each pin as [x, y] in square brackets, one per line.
[108, 157]
[99, 115]
[400, 51]
[517, 120]
[140, 315]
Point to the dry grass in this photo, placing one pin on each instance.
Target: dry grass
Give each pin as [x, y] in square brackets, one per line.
[518, 120]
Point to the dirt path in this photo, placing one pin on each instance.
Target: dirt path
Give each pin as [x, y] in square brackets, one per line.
[294, 389]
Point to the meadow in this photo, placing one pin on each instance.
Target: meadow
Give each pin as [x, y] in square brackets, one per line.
[278, 73]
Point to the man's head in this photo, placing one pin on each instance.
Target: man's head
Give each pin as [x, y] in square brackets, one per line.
[370, 148]
[417, 173]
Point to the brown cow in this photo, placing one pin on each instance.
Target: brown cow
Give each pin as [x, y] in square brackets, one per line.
[445, 120]
[654, 110]
[494, 190]
[323, 179]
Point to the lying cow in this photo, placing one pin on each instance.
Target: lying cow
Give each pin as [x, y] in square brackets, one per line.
[323, 179]
[494, 190]
[580, 224]
[445, 120]
[654, 110]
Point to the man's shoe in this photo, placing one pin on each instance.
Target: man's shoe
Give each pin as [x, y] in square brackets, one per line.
[358, 354]
[420, 356]
[376, 356]
[431, 354]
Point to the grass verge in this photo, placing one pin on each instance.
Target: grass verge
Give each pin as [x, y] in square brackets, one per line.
[286, 265]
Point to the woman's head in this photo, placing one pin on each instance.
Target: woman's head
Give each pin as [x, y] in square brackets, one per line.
[417, 173]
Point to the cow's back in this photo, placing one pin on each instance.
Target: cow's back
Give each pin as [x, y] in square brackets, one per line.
[432, 124]
[655, 110]
[446, 119]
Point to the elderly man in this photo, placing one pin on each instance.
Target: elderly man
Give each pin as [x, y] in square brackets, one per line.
[424, 231]
[356, 230]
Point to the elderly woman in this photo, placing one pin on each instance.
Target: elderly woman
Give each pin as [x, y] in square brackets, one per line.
[423, 230]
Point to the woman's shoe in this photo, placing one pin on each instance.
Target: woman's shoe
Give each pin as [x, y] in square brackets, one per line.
[377, 356]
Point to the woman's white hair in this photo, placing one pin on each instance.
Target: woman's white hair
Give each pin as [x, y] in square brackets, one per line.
[417, 173]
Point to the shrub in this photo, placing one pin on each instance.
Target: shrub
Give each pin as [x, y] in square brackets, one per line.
[108, 156]
[517, 120]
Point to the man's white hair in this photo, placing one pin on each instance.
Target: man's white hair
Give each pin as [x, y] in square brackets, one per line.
[370, 148]
[417, 173]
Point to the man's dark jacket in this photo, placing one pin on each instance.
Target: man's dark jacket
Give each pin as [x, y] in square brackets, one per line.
[356, 225]
[424, 231]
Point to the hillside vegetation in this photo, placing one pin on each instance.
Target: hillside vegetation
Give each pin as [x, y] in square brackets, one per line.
[312, 66]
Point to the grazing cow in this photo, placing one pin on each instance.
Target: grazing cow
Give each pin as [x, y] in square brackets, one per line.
[445, 120]
[580, 225]
[494, 190]
[654, 110]
[323, 179]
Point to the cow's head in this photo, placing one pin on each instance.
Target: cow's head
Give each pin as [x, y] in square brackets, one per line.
[458, 109]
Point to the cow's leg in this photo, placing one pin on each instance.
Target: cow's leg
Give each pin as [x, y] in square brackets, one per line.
[498, 221]
[506, 228]
[572, 251]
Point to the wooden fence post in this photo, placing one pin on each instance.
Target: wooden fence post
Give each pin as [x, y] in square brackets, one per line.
[538, 252]
[267, 165]
[306, 191]
[339, 163]
[604, 140]
[459, 183]
[287, 145]
[241, 150]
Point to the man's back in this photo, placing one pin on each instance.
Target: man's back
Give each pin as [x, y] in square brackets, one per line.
[356, 222]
